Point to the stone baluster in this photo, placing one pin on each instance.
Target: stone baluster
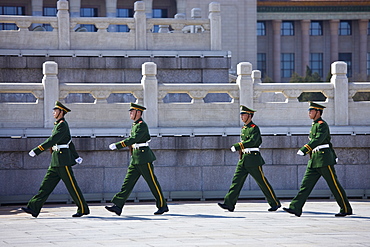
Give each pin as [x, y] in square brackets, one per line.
[245, 83]
[177, 27]
[197, 96]
[196, 13]
[215, 25]
[164, 29]
[23, 25]
[64, 38]
[150, 90]
[50, 83]
[256, 76]
[102, 26]
[340, 81]
[140, 25]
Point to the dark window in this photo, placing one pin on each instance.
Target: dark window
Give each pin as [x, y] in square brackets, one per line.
[47, 11]
[124, 13]
[89, 12]
[261, 28]
[159, 13]
[368, 64]
[347, 58]
[368, 28]
[316, 63]
[287, 64]
[316, 28]
[261, 63]
[287, 28]
[345, 28]
[10, 10]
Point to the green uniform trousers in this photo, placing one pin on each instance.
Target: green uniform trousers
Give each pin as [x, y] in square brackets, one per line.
[310, 179]
[51, 179]
[133, 174]
[240, 176]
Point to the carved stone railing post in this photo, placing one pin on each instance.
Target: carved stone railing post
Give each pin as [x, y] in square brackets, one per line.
[245, 83]
[51, 91]
[256, 76]
[340, 81]
[215, 22]
[64, 38]
[150, 91]
[140, 25]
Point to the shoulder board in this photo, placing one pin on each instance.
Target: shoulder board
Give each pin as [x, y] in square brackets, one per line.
[320, 122]
[140, 121]
[61, 121]
[253, 125]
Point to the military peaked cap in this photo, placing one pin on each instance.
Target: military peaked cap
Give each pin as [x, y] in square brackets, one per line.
[60, 106]
[246, 110]
[315, 106]
[137, 107]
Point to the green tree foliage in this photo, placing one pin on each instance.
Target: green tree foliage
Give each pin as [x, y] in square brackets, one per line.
[267, 79]
[309, 77]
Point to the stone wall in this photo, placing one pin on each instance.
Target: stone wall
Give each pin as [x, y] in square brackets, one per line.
[92, 69]
[199, 167]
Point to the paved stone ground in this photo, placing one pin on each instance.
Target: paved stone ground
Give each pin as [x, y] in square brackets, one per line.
[188, 224]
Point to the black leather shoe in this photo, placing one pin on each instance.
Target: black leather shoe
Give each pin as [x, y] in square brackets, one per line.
[79, 214]
[162, 210]
[274, 208]
[114, 209]
[291, 211]
[342, 214]
[224, 206]
[29, 211]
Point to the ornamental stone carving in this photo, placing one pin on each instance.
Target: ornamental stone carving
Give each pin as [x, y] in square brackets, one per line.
[100, 94]
[39, 94]
[195, 94]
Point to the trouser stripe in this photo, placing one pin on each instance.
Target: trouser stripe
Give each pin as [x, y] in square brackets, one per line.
[268, 187]
[336, 186]
[74, 187]
[156, 186]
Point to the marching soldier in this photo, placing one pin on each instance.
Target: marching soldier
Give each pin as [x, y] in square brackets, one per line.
[63, 157]
[142, 158]
[250, 162]
[321, 163]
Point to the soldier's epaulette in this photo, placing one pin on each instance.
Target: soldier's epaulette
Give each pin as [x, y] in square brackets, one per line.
[140, 121]
[320, 122]
[253, 125]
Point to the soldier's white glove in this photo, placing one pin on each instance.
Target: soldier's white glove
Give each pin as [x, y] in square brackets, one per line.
[112, 146]
[79, 160]
[336, 160]
[32, 153]
[300, 153]
[233, 149]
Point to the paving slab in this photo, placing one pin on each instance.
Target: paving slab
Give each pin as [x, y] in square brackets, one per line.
[188, 223]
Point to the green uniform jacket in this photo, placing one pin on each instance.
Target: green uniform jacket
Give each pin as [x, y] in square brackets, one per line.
[60, 135]
[139, 134]
[319, 135]
[250, 138]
